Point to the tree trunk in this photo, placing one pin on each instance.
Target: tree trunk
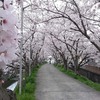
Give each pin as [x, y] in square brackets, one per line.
[65, 64]
[76, 66]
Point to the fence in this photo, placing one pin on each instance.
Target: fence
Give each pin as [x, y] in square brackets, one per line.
[94, 76]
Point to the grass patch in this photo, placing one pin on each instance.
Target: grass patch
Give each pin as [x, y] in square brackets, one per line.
[28, 90]
[81, 78]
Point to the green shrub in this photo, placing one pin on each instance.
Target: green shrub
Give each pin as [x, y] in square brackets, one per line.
[30, 79]
[29, 87]
[25, 96]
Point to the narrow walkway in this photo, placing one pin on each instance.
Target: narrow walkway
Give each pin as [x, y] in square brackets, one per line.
[54, 85]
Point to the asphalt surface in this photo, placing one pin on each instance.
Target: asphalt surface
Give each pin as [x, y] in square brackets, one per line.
[54, 85]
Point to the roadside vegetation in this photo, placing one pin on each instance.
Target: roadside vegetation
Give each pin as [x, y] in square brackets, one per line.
[29, 86]
[81, 78]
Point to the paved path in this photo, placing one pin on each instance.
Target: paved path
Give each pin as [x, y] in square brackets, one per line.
[54, 85]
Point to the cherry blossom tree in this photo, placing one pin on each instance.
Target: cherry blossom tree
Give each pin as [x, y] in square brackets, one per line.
[8, 32]
[79, 17]
[33, 37]
[71, 17]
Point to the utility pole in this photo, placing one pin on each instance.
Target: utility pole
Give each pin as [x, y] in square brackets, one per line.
[21, 50]
[21, 44]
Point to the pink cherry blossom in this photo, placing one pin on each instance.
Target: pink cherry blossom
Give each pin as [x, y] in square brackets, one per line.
[8, 20]
[8, 34]
[7, 4]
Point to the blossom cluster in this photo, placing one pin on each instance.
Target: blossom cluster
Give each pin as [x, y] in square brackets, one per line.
[8, 32]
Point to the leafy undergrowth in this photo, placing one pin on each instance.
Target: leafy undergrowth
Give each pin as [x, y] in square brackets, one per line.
[28, 91]
[83, 79]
